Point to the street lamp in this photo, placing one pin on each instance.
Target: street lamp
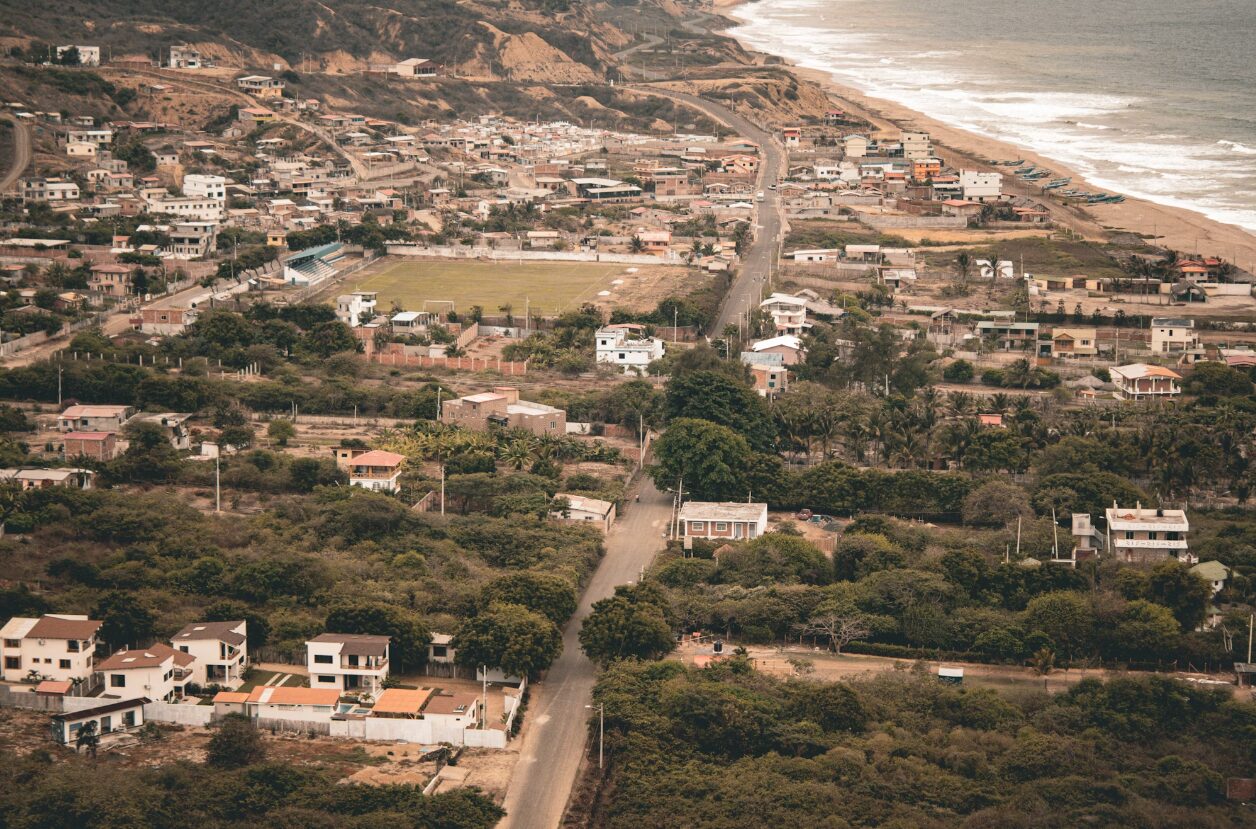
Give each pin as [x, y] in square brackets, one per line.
[601, 729]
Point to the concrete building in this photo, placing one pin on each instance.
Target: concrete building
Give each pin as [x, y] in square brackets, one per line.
[98, 418]
[261, 86]
[582, 509]
[502, 408]
[109, 717]
[1074, 343]
[356, 308]
[1144, 534]
[184, 57]
[916, 146]
[1176, 335]
[414, 68]
[201, 186]
[347, 662]
[59, 647]
[789, 313]
[221, 650]
[981, 187]
[158, 673]
[627, 346]
[87, 55]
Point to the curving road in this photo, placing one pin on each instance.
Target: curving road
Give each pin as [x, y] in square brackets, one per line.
[21, 153]
[556, 734]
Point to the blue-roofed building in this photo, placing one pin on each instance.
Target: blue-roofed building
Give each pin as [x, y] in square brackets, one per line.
[312, 265]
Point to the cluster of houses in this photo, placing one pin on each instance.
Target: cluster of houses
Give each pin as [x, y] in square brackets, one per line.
[55, 655]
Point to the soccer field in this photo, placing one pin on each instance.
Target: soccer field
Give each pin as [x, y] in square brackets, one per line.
[548, 287]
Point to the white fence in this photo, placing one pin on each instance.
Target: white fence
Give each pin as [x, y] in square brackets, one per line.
[451, 252]
[883, 222]
[197, 715]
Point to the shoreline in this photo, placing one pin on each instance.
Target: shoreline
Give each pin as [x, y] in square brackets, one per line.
[1177, 228]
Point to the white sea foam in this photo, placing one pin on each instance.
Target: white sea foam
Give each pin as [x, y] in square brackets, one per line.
[1095, 134]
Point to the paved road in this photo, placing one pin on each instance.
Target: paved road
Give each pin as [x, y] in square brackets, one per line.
[756, 265]
[21, 154]
[555, 736]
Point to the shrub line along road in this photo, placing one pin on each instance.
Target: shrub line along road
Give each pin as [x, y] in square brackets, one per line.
[556, 733]
[555, 738]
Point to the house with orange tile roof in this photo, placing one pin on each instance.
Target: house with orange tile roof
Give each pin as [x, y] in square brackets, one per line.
[377, 469]
[158, 672]
[1142, 381]
[58, 647]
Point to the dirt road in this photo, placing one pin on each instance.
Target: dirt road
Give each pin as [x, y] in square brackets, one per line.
[21, 153]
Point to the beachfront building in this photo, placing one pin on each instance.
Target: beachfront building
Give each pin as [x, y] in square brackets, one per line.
[916, 145]
[981, 187]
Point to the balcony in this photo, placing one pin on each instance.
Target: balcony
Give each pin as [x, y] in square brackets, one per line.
[1149, 543]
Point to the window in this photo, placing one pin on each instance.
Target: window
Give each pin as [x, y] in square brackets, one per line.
[326, 679]
[117, 680]
[12, 663]
[13, 643]
[697, 526]
[1129, 535]
[72, 646]
[323, 659]
[440, 651]
[721, 526]
[64, 664]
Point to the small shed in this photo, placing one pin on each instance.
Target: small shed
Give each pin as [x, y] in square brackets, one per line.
[951, 676]
[119, 715]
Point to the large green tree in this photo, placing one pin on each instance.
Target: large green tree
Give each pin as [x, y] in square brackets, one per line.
[519, 641]
[710, 459]
[722, 399]
[409, 636]
[627, 625]
[550, 595]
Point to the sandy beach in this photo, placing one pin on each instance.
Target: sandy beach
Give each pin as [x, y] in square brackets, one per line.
[1173, 227]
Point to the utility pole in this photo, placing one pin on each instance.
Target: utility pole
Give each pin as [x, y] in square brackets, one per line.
[484, 679]
[601, 730]
[59, 370]
[218, 481]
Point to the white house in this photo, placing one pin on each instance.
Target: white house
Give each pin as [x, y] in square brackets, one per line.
[347, 662]
[582, 509]
[981, 187]
[625, 345]
[221, 650]
[202, 186]
[97, 418]
[1213, 572]
[789, 313]
[57, 647]
[356, 308]
[377, 469]
[1175, 335]
[109, 717]
[441, 650]
[1144, 534]
[728, 521]
[158, 672]
[414, 68]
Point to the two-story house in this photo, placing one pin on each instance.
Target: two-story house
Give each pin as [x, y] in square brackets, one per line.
[502, 408]
[158, 672]
[1141, 381]
[221, 650]
[789, 313]
[376, 469]
[1144, 534]
[1175, 335]
[1074, 343]
[347, 662]
[626, 345]
[57, 647]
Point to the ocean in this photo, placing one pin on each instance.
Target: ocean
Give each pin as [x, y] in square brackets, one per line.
[1151, 98]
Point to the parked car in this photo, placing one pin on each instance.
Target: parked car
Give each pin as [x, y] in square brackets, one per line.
[803, 515]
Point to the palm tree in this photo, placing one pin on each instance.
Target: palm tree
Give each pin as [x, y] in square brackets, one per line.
[960, 403]
[963, 263]
[1000, 402]
[636, 245]
[516, 454]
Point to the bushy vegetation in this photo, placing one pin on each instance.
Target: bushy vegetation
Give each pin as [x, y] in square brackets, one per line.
[708, 748]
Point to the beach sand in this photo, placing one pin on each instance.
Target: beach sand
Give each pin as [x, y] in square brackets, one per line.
[1173, 227]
